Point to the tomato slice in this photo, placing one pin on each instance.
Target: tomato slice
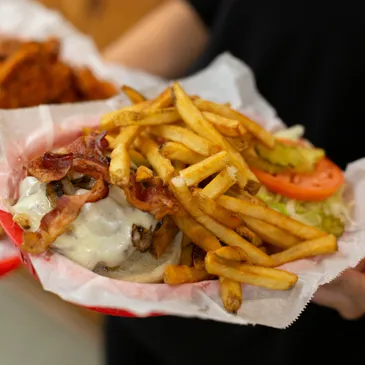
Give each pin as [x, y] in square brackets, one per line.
[315, 186]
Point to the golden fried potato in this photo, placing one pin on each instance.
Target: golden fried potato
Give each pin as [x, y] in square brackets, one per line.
[249, 274]
[176, 275]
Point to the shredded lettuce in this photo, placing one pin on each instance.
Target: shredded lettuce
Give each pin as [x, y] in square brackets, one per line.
[295, 132]
[330, 215]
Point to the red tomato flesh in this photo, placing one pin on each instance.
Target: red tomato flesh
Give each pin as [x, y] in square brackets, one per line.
[318, 185]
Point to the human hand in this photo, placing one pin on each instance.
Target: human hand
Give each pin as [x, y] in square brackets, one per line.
[346, 294]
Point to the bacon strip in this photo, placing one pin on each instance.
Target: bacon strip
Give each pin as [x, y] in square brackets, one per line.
[58, 167]
[155, 199]
[58, 221]
[84, 155]
[91, 147]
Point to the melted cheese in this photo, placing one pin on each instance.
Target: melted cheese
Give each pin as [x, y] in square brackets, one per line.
[101, 233]
[33, 202]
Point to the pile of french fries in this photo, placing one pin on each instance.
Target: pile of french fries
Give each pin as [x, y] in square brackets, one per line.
[194, 147]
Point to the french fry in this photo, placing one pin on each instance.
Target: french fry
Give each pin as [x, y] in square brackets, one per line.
[111, 141]
[177, 151]
[249, 235]
[120, 162]
[164, 100]
[198, 257]
[231, 293]
[232, 253]
[244, 195]
[259, 132]
[268, 215]
[264, 249]
[221, 183]
[242, 143]
[185, 240]
[124, 134]
[125, 117]
[110, 137]
[193, 117]
[120, 166]
[107, 120]
[253, 275]
[319, 246]
[216, 211]
[163, 237]
[197, 233]
[196, 140]
[271, 234]
[178, 166]
[186, 258]
[133, 95]
[160, 164]
[226, 235]
[176, 275]
[189, 139]
[201, 170]
[138, 158]
[228, 127]
[143, 173]
[127, 135]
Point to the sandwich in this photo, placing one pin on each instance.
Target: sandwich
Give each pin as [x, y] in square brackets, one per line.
[67, 204]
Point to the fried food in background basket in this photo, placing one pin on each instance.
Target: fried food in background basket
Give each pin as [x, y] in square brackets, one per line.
[32, 73]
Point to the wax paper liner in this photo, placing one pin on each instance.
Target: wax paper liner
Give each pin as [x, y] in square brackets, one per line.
[30, 20]
[226, 79]
[7, 249]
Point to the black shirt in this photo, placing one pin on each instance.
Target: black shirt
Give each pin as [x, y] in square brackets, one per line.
[308, 59]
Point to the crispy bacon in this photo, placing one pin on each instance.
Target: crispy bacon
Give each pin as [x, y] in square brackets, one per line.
[58, 221]
[101, 142]
[91, 147]
[45, 174]
[163, 237]
[89, 167]
[155, 198]
[52, 160]
[84, 155]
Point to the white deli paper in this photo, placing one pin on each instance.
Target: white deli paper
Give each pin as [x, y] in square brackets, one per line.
[226, 80]
[30, 20]
[7, 250]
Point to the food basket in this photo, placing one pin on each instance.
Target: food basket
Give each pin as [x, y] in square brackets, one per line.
[14, 232]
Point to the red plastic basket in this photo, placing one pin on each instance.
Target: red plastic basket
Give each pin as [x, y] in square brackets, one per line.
[9, 264]
[15, 233]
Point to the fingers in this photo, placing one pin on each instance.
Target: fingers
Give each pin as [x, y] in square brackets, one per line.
[361, 266]
[344, 305]
[345, 294]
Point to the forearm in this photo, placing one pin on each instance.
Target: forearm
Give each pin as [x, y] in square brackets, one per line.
[164, 43]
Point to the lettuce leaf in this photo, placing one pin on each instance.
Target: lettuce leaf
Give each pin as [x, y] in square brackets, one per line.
[330, 215]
